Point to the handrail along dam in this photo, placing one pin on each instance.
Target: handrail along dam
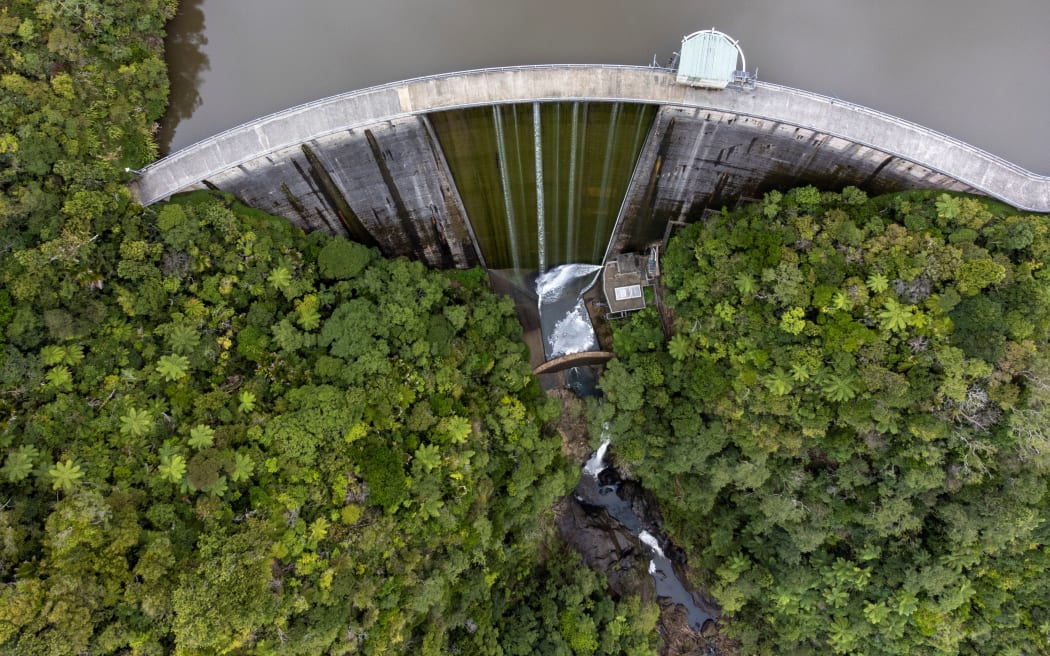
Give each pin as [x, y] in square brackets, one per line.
[531, 167]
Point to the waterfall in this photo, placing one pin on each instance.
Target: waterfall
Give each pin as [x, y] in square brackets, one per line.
[596, 464]
[542, 182]
[601, 231]
[647, 538]
[541, 228]
[504, 175]
[564, 320]
[573, 141]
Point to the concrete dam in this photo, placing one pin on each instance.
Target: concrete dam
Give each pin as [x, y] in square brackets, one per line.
[530, 167]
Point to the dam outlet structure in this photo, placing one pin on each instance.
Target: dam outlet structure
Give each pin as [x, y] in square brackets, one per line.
[527, 168]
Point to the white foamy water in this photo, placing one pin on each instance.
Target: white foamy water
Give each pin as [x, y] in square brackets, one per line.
[572, 333]
[564, 320]
[596, 464]
[651, 542]
[552, 284]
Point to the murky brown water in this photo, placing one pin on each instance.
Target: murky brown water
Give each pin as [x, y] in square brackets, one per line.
[977, 70]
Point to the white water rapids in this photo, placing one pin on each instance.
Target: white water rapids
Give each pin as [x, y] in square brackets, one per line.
[596, 463]
[563, 316]
[650, 541]
[591, 491]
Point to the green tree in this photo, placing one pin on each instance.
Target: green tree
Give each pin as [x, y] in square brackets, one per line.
[172, 468]
[226, 597]
[243, 468]
[895, 317]
[19, 463]
[280, 278]
[343, 260]
[173, 367]
[183, 338]
[65, 475]
[246, 401]
[842, 481]
[202, 437]
[948, 207]
[136, 423]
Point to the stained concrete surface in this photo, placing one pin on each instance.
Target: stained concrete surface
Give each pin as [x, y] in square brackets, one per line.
[366, 163]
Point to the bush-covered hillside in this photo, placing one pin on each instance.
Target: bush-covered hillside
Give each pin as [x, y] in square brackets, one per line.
[848, 429]
[240, 438]
[219, 435]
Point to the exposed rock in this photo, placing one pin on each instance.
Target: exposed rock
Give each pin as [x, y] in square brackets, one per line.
[607, 546]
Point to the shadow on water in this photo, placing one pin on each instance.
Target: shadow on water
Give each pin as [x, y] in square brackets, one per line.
[184, 52]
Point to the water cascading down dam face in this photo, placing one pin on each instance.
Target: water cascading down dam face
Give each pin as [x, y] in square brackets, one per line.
[543, 182]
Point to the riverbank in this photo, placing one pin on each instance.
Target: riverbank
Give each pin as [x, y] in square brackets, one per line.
[608, 546]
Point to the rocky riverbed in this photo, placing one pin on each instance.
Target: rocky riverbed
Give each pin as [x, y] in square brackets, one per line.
[615, 525]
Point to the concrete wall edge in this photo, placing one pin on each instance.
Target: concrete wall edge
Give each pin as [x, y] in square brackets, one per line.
[952, 158]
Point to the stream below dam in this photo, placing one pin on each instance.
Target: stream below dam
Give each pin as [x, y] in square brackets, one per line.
[612, 523]
[633, 534]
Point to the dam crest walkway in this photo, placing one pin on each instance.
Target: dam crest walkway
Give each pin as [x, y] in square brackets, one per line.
[838, 125]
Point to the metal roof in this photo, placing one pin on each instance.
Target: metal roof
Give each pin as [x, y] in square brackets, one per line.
[708, 59]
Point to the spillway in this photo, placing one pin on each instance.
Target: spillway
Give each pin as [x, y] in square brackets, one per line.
[543, 182]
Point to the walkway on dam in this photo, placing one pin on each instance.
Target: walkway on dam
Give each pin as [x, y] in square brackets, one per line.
[852, 124]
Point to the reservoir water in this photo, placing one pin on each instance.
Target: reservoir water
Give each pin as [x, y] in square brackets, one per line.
[972, 69]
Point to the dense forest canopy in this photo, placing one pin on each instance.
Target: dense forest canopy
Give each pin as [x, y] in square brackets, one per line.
[848, 428]
[253, 439]
[220, 435]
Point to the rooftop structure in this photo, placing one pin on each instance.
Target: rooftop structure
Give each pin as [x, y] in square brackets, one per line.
[708, 59]
[622, 282]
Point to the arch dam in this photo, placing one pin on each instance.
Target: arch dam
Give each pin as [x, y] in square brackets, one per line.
[530, 167]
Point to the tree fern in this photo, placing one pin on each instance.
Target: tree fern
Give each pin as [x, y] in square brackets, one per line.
[838, 387]
[65, 475]
[172, 468]
[877, 283]
[19, 464]
[173, 367]
[136, 422]
[894, 316]
[202, 437]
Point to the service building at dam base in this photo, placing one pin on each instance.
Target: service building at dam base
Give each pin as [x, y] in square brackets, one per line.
[527, 168]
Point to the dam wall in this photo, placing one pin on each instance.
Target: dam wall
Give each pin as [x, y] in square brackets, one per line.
[700, 160]
[370, 164]
[384, 185]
